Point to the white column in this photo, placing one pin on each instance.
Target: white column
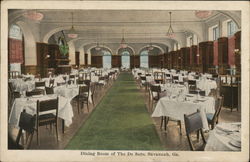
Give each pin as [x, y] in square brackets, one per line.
[72, 53]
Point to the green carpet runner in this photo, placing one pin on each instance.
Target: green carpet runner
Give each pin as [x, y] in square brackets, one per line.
[119, 122]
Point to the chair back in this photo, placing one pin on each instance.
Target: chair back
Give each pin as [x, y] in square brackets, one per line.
[51, 82]
[193, 122]
[27, 122]
[47, 105]
[87, 82]
[35, 92]
[39, 84]
[155, 88]
[71, 76]
[83, 90]
[192, 84]
[168, 75]
[218, 106]
[79, 81]
[143, 78]
[202, 93]
[49, 90]
[176, 77]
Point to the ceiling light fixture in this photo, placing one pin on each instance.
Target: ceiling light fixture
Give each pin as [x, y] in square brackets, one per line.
[33, 15]
[150, 46]
[170, 32]
[123, 43]
[72, 32]
[203, 14]
[98, 48]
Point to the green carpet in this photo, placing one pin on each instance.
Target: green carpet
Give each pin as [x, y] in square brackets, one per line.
[119, 122]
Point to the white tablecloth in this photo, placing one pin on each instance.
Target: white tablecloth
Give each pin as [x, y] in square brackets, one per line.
[176, 109]
[64, 111]
[206, 85]
[69, 91]
[224, 137]
[20, 85]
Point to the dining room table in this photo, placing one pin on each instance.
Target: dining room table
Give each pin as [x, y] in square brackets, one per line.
[65, 111]
[175, 105]
[70, 91]
[225, 137]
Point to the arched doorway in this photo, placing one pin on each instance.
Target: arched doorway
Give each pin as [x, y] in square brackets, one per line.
[126, 59]
[106, 59]
[144, 59]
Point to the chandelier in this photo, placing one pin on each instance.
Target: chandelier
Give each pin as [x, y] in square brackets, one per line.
[170, 32]
[72, 32]
[203, 14]
[33, 15]
[150, 46]
[123, 44]
[98, 48]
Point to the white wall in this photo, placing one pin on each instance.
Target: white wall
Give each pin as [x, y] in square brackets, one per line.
[72, 53]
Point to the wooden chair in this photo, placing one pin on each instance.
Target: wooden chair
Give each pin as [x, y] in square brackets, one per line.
[27, 124]
[175, 79]
[49, 90]
[79, 81]
[213, 118]
[72, 78]
[39, 84]
[159, 77]
[192, 85]
[143, 81]
[51, 82]
[34, 92]
[87, 82]
[83, 97]
[193, 123]
[43, 118]
[154, 98]
[202, 93]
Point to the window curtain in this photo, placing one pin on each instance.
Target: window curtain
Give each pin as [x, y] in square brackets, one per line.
[15, 51]
[215, 53]
[231, 47]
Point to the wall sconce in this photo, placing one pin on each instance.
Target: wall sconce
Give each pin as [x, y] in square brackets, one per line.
[237, 52]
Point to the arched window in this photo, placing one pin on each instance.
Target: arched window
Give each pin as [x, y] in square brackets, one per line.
[106, 58]
[144, 59]
[15, 32]
[125, 59]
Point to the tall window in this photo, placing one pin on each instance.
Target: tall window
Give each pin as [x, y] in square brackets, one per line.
[215, 33]
[231, 28]
[15, 51]
[106, 58]
[144, 59]
[126, 59]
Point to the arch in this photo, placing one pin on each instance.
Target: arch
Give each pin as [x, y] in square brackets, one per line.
[141, 49]
[30, 44]
[131, 48]
[53, 31]
[233, 16]
[91, 47]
